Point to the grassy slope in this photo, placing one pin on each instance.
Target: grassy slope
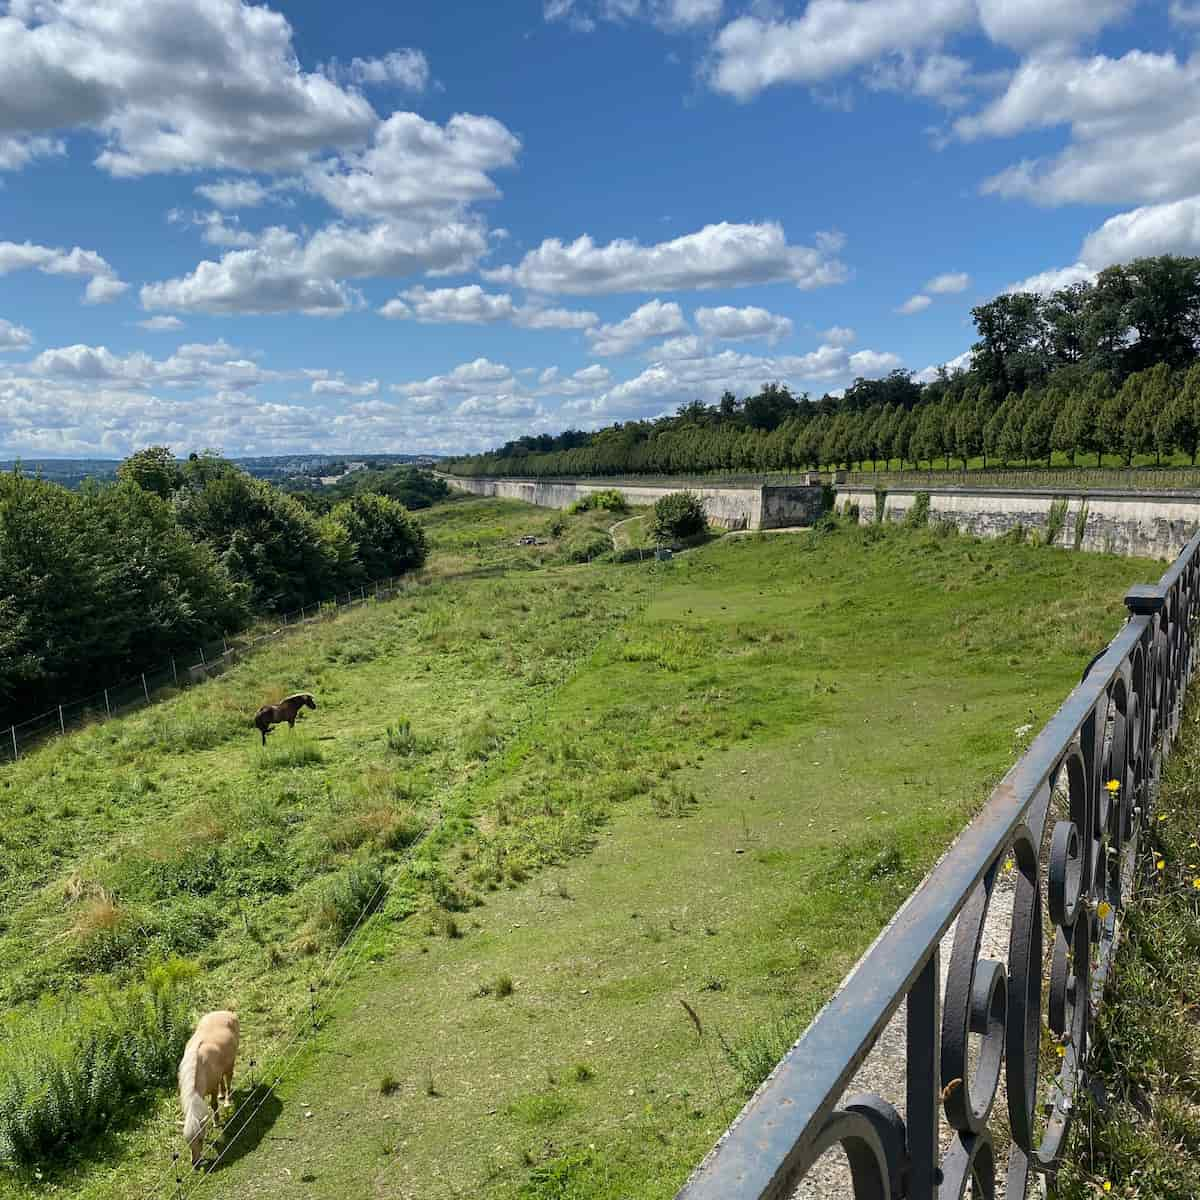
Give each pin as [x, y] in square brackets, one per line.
[836, 707]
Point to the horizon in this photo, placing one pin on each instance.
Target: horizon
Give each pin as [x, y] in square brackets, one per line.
[353, 232]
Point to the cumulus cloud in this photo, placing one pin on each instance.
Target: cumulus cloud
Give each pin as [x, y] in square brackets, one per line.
[1045, 282]
[739, 324]
[1135, 132]
[952, 281]
[172, 87]
[914, 304]
[14, 337]
[406, 68]
[724, 255]
[828, 39]
[235, 193]
[282, 273]
[945, 78]
[340, 387]
[161, 324]
[18, 152]
[653, 319]
[418, 169]
[1032, 24]
[215, 363]
[103, 283]
[839, 335]
[471, 305]
[960, 362]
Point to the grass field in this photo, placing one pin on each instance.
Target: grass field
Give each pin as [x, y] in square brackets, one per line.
[600, 789]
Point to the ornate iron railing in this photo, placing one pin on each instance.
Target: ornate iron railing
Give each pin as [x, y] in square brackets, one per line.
[1067, 817]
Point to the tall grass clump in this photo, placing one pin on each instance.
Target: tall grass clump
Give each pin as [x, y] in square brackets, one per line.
[356, 892]
[917, 516]
[1056, 521]
[754, 1056]
[289, 753]
[69, 1071]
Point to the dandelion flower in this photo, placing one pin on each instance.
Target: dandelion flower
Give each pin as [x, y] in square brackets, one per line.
[1103, 909]
[1113, 785]
[1196, 884]
[1161, 864]
[1108, 1185]
[1062, 1051]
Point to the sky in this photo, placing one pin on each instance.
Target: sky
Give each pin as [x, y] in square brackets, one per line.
[437, 226]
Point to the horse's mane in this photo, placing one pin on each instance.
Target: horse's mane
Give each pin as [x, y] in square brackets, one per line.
[297, 696]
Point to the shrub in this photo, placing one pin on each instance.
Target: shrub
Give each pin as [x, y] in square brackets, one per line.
[66, 1071]
[290, 752]
[679, 515]
[1056, 521]
[606, 500]
[917, 516]
[503, 986]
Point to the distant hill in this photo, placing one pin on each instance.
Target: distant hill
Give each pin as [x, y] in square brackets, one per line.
[71, 472]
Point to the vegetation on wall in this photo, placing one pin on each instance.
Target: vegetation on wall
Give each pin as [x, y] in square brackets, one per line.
[1095, 369]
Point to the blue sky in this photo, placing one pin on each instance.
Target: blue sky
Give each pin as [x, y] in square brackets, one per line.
[437, 226]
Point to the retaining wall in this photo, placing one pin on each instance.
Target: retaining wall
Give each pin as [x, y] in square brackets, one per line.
[729, 507]
[1151, 524]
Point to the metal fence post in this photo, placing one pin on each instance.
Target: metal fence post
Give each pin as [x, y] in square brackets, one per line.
[13, 731]
[145, 688]
[107, 709]
[174, 671]
[61, 725]
[224, 645]
[203, 660]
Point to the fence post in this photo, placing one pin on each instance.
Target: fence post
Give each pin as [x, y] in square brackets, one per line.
[107, 709]
[13, 731]
[224, 645]
[174, 671]
[145, 688]
[203, 660]
[61, 727]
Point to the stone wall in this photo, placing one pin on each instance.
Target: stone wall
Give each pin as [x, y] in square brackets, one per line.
[1149, 524]
[729, 507]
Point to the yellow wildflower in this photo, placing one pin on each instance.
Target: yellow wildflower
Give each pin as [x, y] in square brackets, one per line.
[1161, 864]
[1113, 785]
[1103, 909]
[1108, 1185]
[1196, 884]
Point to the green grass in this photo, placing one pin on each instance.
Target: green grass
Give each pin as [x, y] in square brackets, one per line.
[786, 729]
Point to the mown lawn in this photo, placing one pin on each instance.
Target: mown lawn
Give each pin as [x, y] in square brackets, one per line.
[709, 781]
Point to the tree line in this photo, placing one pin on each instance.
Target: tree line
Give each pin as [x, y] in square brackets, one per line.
[108, 580]
[1108, 368]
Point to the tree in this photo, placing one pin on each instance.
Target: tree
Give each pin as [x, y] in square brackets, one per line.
[387, 539]
[1186, 413]
[1163, 310]
[1065, 315]
[678, 515]
[1009, 445]
[1038, 426]
[1008, 352]
[153, 469]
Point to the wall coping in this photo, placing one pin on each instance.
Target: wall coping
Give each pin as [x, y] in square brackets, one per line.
[1048, 493]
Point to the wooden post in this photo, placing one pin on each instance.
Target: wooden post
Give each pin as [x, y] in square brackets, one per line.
[61, 727]
[13, 731]
[174, 671]
[224, 645]
[145, 688]
[203, 660]
[107, 709]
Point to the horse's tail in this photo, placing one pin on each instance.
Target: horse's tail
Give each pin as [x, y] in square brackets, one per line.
[195, 1111]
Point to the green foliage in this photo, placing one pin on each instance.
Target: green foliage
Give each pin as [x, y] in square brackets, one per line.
[354, 895]
[679, 515]
[67, 1073]
[387, 539]
[413, 488]
[1056, 521]
[917, 516]
[153, 469]
[606, 500]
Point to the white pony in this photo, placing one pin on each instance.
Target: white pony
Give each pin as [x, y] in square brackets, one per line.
[206, 1069]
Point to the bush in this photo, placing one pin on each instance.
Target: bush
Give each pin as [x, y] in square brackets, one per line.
[389, 541]
[679, 515]
[356, 892]
[917, 516]
[67, 1071]
[606, 500]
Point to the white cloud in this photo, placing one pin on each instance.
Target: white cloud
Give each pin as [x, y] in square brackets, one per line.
[418, 169]
[914, 304]
[1045, 282]
[161, 324]
[18, 152]
[103, 284]
[339, 387]
[839, 335]
[960, 362]
[215, 228]
[724, 255]
[406, 68]
[738, 324]
[830, 38]
[235, 193]
[14, 337]
[1032, 24]
[1184, 13]
[952, 281]
[216, 363]
[671, 15]
[653, 319]
[471, 305]
[284, 274]
[172, 86]
[1134, 122]
[945, 78]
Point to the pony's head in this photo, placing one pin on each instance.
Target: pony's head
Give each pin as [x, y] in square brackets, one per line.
[308, 701]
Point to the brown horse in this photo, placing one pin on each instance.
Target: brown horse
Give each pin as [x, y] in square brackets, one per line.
[286, 710]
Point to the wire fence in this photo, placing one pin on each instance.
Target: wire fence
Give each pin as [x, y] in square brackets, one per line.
[181, 671]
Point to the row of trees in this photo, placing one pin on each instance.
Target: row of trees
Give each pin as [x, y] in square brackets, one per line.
[1104, 368]
[111, 579]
